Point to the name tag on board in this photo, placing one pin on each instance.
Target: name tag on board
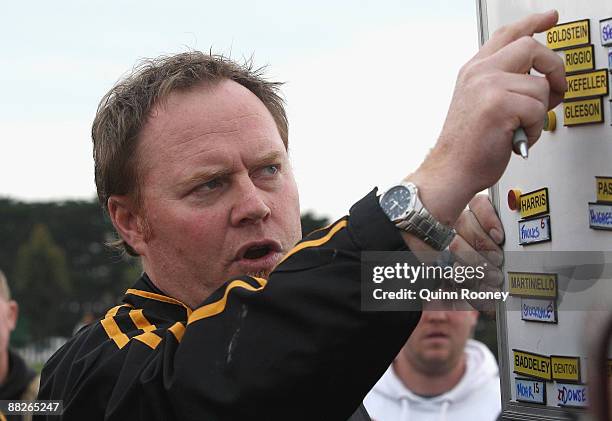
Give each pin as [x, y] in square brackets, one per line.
[532, 391]
[534, 230]
[565, 369]
[532, 365]
[532, 285]
[537, 310]
[600, 216]
[605, 31]
[571, 395]
[569, 34]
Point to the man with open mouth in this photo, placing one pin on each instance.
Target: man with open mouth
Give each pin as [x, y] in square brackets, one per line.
[231, 320]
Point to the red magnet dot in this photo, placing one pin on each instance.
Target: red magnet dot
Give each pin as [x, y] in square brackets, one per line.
[514, 202]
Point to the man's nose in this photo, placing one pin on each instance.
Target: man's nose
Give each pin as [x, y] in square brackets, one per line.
[436, 315]
[250, 205]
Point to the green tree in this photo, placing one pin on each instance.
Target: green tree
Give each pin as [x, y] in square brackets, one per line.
[311, 222]
[41, 282]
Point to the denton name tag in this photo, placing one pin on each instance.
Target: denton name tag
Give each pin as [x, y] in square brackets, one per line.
[534, 230]
[532, 391]
[537, 310]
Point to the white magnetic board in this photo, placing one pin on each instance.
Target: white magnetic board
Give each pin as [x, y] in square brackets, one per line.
[561, 248]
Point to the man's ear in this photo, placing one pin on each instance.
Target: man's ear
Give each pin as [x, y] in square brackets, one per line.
[13, 313]
[128, 222]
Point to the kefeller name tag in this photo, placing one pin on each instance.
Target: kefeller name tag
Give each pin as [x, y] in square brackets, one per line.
[571, 395]
[532, 365]
[529, 390]
[587, 84]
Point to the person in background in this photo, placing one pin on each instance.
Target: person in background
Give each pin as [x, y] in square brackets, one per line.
[17, 380]
[440, 373]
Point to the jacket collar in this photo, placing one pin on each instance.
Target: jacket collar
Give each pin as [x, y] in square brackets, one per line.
[145, 295]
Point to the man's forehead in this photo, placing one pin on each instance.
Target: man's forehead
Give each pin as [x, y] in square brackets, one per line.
[208, 109]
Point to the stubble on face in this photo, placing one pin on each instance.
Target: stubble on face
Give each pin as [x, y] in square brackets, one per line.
[193, 236]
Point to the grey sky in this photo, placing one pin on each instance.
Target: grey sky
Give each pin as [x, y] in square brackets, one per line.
[368, 83]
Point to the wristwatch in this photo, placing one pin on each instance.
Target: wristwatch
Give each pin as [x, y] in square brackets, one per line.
[402, 206]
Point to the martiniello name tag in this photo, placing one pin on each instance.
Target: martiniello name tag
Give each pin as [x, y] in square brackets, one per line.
[534, 230]
[600, 216]
[571, 395]
[533, 391]
[537, 310]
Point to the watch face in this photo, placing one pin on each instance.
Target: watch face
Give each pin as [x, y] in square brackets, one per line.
[396, 201]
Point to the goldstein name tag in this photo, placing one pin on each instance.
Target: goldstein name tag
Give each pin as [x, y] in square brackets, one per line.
[600, 216]
[569, 34]
[538, 310]
[534, 230]
[532, 391]
[571, 395]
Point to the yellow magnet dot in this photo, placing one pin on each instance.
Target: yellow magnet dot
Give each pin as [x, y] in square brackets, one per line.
[550, 121]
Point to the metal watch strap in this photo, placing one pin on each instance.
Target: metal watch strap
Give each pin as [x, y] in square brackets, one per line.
[425, 226]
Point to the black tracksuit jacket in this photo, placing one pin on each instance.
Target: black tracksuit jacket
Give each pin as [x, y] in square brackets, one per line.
[295, 347]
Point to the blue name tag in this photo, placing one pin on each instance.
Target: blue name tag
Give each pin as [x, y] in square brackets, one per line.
[534, 230]
[571, 395]
[538, 310]
[605, 31]
[600, 216]
[532, 391]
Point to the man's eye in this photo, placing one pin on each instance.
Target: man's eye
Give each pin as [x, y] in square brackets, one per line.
[271, 169]
[210, 185]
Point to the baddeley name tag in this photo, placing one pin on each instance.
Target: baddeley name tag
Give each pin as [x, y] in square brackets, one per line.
[534, 230]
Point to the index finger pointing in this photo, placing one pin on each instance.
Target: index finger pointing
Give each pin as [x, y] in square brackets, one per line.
[534, 23]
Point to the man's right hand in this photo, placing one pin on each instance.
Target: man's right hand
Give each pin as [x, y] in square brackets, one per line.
[494, 95]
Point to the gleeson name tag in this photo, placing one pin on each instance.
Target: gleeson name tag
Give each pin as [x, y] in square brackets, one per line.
[534, 230]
